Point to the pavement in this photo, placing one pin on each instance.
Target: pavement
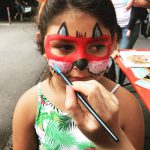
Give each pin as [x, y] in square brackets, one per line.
[21, 67]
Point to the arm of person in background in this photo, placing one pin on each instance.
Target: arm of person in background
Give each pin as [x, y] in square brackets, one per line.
[133, 18]
[142, 3]
[129, 4]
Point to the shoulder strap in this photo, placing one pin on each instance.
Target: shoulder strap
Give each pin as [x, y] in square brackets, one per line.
[115, 88]
[39, 101]
[39, 91]
[41, 97]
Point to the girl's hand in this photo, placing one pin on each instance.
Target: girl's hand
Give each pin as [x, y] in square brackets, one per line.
[102, 101]
[128, 33]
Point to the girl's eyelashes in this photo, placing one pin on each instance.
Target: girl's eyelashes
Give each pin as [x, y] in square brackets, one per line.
[65, 47]
[62, 49]
[97, 49]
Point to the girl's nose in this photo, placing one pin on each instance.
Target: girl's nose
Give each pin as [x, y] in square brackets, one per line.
[81, 64]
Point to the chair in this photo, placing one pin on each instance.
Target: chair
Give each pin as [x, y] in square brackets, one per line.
[22, 8]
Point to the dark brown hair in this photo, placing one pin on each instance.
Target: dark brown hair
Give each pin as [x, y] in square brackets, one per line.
[103, 10]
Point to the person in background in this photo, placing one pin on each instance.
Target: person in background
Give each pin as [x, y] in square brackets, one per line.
[19, 4]
[123, 18]
[137, 13]
[78, 36]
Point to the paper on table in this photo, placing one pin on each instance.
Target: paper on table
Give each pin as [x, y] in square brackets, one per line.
[140, 72]
[143, 74]
[133, 58]
[143, 83]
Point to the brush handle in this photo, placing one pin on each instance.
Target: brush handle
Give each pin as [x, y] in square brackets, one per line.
[91, 110]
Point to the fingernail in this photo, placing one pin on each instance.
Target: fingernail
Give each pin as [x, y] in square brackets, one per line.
[68, 91]
[68, 88]
[68, 97]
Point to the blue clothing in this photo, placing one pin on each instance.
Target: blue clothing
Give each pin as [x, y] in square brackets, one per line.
[128, 42]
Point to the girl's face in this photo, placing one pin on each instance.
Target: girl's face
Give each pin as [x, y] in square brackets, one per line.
[78, 44]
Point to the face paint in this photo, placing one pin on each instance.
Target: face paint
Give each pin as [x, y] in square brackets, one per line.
[80, 56]
[97, 32]
[94, 67]
[63, 30]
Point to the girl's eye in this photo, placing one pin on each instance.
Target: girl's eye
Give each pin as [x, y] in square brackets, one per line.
[65, 47]
[97, 49]
[62, 49]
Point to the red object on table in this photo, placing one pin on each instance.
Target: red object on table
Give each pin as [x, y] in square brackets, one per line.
[142, 92]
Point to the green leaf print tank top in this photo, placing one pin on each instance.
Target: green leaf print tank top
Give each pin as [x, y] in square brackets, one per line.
[56, 129]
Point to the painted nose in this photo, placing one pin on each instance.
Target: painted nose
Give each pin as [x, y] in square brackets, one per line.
[81, 64]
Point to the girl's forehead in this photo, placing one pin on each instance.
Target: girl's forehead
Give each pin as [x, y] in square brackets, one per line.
[76, 22]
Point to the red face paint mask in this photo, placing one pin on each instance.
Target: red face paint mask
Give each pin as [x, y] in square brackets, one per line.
[96, 63]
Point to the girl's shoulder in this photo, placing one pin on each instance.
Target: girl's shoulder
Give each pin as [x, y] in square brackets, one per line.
[124, 96]
[24, 119]
[29, 100]
[27, 104]
[127, 100]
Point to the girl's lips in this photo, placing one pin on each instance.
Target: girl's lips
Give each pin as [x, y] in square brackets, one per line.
[79, 78]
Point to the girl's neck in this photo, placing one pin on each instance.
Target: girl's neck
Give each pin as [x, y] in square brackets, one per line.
[57, 85]
[55, 92]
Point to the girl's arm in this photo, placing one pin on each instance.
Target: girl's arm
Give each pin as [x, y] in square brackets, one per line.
[24, 137]
[123, 144]
[108, 107]
[131, 117]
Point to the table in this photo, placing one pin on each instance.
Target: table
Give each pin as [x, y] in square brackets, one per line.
[142, 92]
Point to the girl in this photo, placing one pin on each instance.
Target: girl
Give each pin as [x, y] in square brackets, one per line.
[78, 36]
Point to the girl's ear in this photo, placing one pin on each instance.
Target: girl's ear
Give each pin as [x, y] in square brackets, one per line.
[45, 56]
[114, 44]
[38, 36]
